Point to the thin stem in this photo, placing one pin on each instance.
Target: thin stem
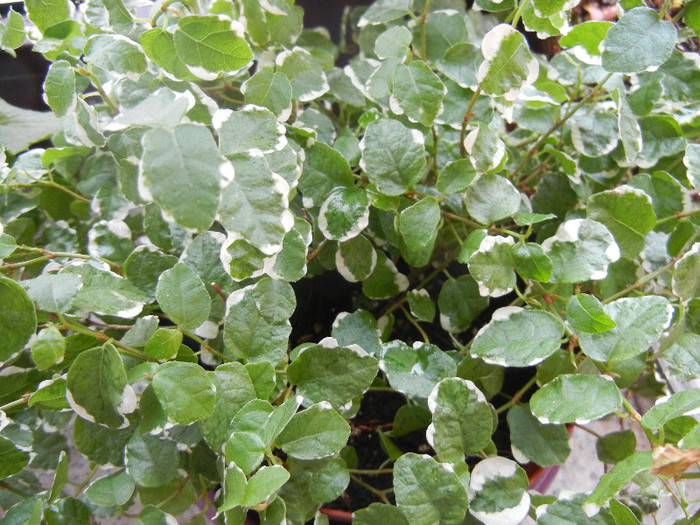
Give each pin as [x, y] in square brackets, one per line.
[467, 117]
[69, 255]
[559, 123]
[371, 472]
[642, 281]
[664, 8]
[517, 396]
[6, 486]
[85, 482]
[586, 429]
[676, 216]
[203, 344]
[49, 184]
[423, 47]
[18, 402]
[380, 494]
[22, 264]
[518, 13]
[459, 218]
[675, 496]
[125, 349]
[636, 416]
[314, 253]
[98, 86]
[415, 324]
[690, 475]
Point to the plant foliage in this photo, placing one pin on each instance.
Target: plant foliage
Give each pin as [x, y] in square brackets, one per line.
[495, 205]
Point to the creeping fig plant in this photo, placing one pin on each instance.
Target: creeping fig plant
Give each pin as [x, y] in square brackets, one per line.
[493, 208]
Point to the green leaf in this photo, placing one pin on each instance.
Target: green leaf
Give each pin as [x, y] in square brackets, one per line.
[332, 373]
[629, 131]
[692, 162]
[588, 35]
[686, 278]
[255, 205]
[531, 262]
[50, 396]
[421, 305]
[355, 259]
[12, 459]
[456, 176]
[112, 490]
[622, 514]
[209, 46]
[571, 398]
[383, 11]
[115, 53]
[97, 388]
[60, 476]
[639, 41]
[182, 171]
[498, 491]
[670, 407]
[508, 66]
[491, 266]
[357, 328]
[460, 64]
[611, 483]
[459, 303]
[185, 392]
[159, 46]
[393, 43]
[305, 74]
[7, 245]
[183, 297]
[616, 446]
[683, 356]
[314, 433]
[518, 337]
[418, 227]
[59, 87]
[151, 461]
[585, 314]
[144, 266]
[162, 108]
[246, 450]
[628, 213]
[491, 198]
[442, 29]
[263, 484]
[393, 156]
[463, 421]
[385, 281]
[594, 133]
[53, 293]
[19, 128]
[324, 169]
[640, 322]
[17, 319]
[12, 35]
[252, 127]
[428, 492]
[530, 440]
[46, 14]
[234, 388]
[581, 250]
[486, 150]
[48, 348]
[256, 326]
[151, 515]
[271, 90]
[415, 370]
[416, 92]
[344, 214]
[410, 418]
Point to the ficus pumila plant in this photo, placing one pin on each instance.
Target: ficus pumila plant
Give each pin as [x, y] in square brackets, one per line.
[497, 208]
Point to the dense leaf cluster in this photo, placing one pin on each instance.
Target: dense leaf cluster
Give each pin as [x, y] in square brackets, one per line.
[206, 154]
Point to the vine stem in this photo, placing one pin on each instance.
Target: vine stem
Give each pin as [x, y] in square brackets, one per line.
[677, 216]
[203, 344]
[125, 349]
[379, 493]
[7, 486]
[559, 123]
[642, 281]
[517, 396]
[423, 16]
[113, 108]
[467, 117]
[28, 262]
[85, 482]
[18, 402]
[371, 472]
[416, 325]
[70, 255]
[636, 416]
[50, 184]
